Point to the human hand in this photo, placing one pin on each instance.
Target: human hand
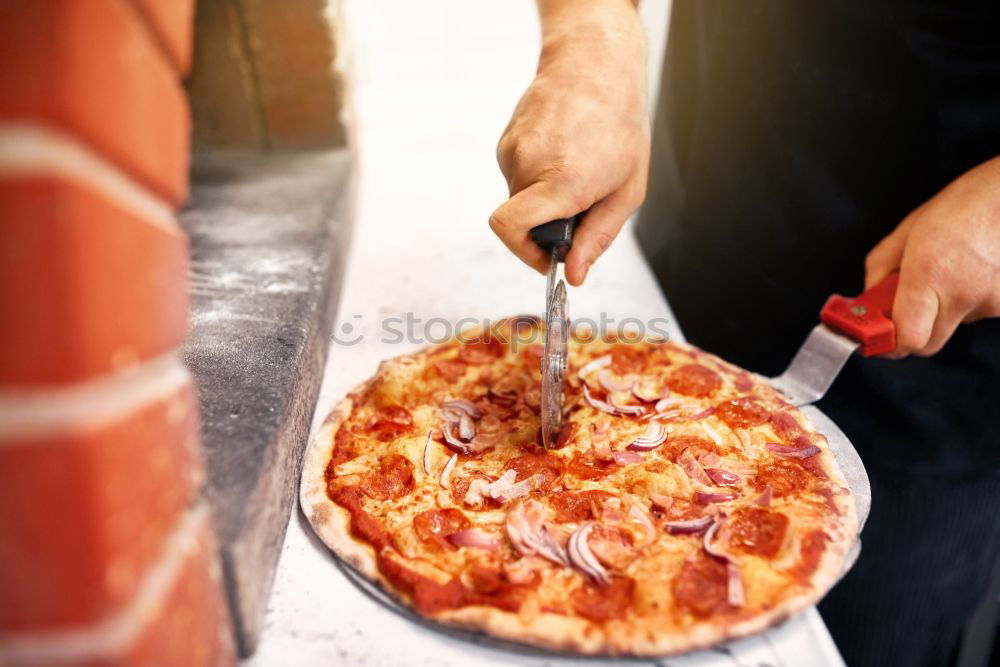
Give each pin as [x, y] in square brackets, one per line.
[579, 137]
[948, 255]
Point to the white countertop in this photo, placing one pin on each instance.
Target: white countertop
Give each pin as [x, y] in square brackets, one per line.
[433, 86]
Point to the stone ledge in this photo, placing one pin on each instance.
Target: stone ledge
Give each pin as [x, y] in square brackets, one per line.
[268, 241]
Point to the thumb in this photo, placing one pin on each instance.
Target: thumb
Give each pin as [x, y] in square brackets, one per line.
[536, 204]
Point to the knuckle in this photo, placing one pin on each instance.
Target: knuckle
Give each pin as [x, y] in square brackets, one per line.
[499, 222]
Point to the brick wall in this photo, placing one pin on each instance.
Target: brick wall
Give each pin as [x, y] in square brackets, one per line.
[106, 553]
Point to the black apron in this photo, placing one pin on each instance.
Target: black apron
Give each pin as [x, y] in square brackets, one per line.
[791, 137]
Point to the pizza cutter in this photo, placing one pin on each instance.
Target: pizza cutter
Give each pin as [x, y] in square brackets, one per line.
[556, 237]
[847, 323]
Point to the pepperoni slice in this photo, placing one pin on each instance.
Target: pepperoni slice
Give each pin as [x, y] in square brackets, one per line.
[811, 553]
[585, 466]
[434, 526]
[758, 531]
[392, 479]
[482, 350]
[694, 380]
[604, 603]
[627, 359]
[551, 467]
[389, 423]
[785, 426]
[697, 444]
[742, 412]
[784, 478]
[450, 370]
[702, 587]
[575, 506]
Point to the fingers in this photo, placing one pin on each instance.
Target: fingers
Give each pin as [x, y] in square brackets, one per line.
[915, 313]
[596, 232]
[887, 256]
[538, 203]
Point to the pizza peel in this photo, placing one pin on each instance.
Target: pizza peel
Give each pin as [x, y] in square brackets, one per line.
[847, 324]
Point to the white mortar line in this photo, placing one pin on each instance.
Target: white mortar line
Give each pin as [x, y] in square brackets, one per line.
[115, 634]
[27, 414]
[28, 149]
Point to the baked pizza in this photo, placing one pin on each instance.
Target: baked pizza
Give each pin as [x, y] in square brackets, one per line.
[686, 503]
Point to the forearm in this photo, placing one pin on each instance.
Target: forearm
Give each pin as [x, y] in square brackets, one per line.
[564, 19]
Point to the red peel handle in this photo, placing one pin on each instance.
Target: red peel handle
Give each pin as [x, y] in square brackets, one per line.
[866, 318]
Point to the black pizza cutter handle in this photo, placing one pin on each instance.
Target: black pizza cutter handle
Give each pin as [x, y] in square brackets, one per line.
[556, 236]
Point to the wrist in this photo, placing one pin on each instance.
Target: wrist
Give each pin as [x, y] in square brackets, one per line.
[590, 25]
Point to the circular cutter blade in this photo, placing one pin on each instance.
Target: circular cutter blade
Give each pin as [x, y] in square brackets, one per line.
[554, 364]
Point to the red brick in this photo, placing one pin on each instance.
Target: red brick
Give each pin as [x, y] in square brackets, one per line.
[190, 626]
[92, 68]
[86, 285]
[172, 21]
[92, 480]
[178, 618]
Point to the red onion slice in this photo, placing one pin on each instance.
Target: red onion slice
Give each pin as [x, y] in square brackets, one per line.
[475, 539]
[709, 538]
[613, 382]
[427, 452]
[722, 477]
[446, 473]
[518, 489]
[642, 517]
[735, 593]
[664, 403]
[529, 534]
[793, 452]
[689, 527]
[627, 457]
[593, 365]
[452, 441]
[707, 412]
[709, 498]
[583, 558]
[503, 397]
[651, 438]
[648, 390]
[466, 427]
[764, 499]
[622, 408]
[468, 407]
[663, 416]
[596, 404]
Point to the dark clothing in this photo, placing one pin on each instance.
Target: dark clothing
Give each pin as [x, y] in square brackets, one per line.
[791, 137]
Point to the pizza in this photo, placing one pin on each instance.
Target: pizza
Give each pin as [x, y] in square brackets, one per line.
[687, 502]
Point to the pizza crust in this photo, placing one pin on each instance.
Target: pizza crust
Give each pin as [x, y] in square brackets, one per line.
[558, 632]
